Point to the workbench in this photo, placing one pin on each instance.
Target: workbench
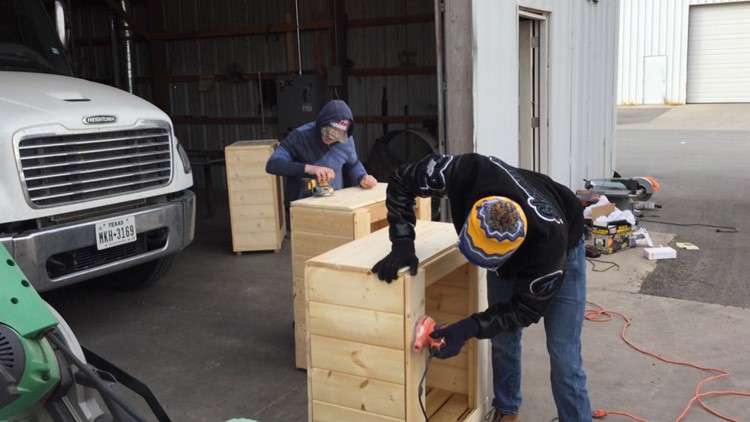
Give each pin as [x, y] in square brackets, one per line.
[360, 362]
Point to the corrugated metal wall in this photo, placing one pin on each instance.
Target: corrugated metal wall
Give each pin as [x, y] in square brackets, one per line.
[581, 86]
[398, 57]
[650, 28]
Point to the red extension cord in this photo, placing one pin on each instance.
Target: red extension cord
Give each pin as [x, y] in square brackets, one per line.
[603, 315]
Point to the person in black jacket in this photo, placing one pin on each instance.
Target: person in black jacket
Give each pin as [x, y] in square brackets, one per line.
[527, 231]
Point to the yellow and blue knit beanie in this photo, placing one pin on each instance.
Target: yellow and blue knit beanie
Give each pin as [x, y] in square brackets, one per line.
[494, 229]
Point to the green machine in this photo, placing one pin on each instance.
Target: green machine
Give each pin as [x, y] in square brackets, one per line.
[45, 375]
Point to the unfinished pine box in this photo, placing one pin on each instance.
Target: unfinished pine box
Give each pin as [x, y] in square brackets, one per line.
[360, 362]
[256, 203]
[320, 224]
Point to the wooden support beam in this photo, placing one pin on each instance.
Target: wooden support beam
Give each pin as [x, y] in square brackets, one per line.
[361, 120]
[314, 25]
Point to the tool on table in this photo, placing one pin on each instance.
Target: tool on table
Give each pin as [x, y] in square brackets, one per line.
[318, 188]
[633, 193]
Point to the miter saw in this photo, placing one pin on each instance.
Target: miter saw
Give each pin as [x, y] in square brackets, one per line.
[627, 194]
[45, 375]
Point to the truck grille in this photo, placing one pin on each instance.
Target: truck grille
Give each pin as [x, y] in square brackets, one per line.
[64, 169]
[89, 257]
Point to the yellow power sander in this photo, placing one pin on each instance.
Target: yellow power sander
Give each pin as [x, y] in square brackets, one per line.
[318, 188]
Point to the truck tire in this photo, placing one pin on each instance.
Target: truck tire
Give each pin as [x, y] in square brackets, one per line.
[140, 276]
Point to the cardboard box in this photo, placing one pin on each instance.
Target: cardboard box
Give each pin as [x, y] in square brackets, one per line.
[664, 252]
[613, 237]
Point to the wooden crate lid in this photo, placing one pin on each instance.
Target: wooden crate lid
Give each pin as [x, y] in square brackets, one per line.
[346, 199]
[433, 239]
[259, 143]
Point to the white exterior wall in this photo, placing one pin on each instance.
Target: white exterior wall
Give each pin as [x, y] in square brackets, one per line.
[581, 88]
[651, 28]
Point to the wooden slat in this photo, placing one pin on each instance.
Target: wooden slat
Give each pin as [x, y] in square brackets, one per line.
[444, 265]
[447, 299]
[327, 412]
[347, 199]
[298, 265]
[255, 211]
[361, 254]
[359, 359]
[331, 222]
[362, 325]
[254, 184]
[447, 377]
[298, 289]
[436, 399]
[362, 222]
[314, 244]
[248, 241]
[380, 397]
[254, 226]
[251, 168]
[453, 410]
[300, 333]
[327, 285]
[414, 362]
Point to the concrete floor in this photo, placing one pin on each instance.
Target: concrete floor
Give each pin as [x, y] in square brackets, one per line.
[214, 339]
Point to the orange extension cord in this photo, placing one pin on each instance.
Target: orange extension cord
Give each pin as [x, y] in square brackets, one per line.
[603, 315]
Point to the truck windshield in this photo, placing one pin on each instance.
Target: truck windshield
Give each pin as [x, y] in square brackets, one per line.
[28, 42]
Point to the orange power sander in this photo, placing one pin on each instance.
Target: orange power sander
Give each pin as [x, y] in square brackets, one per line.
[422, 330]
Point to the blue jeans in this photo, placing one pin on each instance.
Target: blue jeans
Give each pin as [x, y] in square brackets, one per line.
[563, 323]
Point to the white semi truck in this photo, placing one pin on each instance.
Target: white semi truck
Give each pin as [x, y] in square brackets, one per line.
[93, 182]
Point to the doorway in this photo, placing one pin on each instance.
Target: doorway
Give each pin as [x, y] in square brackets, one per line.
[532, 90]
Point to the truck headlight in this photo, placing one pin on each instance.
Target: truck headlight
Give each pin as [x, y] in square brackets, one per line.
[184, 157]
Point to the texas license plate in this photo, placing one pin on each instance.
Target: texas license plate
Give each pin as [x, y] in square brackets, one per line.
[115, 232]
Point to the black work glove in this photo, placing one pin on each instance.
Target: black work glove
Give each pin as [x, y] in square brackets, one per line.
[402, 255]
[455, 336]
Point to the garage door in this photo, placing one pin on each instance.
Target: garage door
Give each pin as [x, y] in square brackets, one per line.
[718, 69]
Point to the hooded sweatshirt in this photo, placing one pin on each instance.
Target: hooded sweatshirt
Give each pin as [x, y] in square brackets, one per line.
[305, 146]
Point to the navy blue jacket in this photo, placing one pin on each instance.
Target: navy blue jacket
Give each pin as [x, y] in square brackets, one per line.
[305, 146]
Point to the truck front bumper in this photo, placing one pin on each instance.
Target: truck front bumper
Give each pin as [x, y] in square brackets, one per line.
[41, 253]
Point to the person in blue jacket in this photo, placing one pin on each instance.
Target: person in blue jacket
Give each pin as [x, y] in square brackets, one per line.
[324, 150]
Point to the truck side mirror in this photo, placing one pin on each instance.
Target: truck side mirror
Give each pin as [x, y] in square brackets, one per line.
[61, 23]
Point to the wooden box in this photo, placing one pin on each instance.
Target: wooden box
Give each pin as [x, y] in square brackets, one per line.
[320, 224]
[256, 203]
[360, 362]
